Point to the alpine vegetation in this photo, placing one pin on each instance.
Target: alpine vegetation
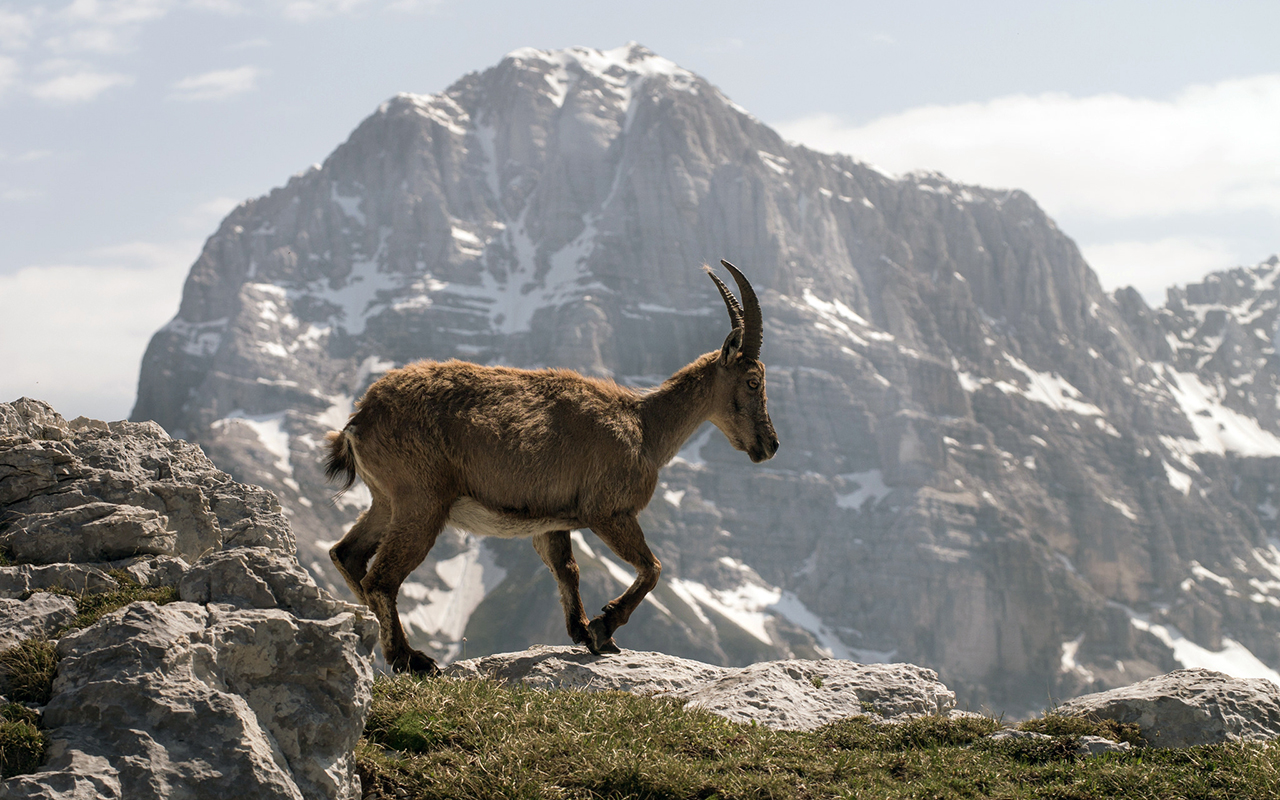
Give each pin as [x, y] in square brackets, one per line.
[511, 453]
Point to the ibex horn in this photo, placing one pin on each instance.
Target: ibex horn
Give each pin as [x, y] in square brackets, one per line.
[752, 320]
[731, 302]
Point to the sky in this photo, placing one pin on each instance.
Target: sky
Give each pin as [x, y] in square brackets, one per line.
[1150, 131]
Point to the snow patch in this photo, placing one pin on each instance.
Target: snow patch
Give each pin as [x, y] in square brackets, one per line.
[871, 486]
[269, 428]
[350, 205]
[202, 338]
[691, 453]
[1234, 658]
[443, 613]
[1218, 429]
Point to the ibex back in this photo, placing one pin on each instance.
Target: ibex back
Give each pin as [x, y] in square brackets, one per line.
[538, 453]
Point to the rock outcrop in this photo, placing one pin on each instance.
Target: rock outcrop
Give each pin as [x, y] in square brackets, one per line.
[989, 465]
[790, 695]
[1189, 707]
[255, 683]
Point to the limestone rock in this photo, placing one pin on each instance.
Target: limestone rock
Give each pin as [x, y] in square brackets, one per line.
[258, 689]
[1190, 707]
[257, 577]
[790, 695]
[1097, 745]
[258, 703]
[15, 581]
[88, 532]
[39, 616]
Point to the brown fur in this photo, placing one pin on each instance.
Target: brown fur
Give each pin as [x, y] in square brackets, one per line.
[535, 453]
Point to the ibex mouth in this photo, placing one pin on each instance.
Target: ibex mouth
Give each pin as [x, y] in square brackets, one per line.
[764, 449]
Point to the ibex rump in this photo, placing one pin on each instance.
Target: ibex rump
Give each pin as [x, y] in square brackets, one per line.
[538, 453]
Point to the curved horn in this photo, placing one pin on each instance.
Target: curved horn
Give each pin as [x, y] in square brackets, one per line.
[753, 321]
[731, 302]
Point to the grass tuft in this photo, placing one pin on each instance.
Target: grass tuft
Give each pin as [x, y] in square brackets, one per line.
[22, 746]
[27, 670]
[471, 739]
[91, 607]
[1058, 724]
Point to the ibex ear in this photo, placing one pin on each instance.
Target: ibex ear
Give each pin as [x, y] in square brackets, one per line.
[732, 347]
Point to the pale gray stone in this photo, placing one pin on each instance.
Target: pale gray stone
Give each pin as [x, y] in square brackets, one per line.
[257, 577]
[1097, 745]
[89, 532]
[68, 774]
[18, 580]
[230, 702]
[788, 695]
[39, 616]
[1189, 707]
[1011, 734]
[183, 700]
[153, 570]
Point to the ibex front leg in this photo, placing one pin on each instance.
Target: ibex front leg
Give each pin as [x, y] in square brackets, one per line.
[416, 521]
[557, 554]
[624, 537]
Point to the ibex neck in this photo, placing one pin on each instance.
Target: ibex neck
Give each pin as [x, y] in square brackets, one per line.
[672, 412]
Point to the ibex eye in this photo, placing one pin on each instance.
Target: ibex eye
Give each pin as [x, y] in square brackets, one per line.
[753, 383]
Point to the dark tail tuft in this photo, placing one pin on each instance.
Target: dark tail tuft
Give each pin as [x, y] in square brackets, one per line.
[342, 459]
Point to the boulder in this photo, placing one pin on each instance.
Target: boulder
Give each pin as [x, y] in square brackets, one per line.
[39, 616]
[1189, 707]
[256, 702]
[256, 686]
[789, 695]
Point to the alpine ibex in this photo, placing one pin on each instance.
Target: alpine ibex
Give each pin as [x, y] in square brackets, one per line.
[538, 453]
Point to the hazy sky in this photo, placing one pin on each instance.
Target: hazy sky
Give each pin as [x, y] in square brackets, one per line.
[1150, 131]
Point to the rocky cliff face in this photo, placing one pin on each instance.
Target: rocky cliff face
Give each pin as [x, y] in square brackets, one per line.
[989, 466]
[254, 682]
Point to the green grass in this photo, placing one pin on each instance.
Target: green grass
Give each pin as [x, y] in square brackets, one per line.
[27, 670]
[1055, 724]
[91, 607]
[22, 743]
[448, 738]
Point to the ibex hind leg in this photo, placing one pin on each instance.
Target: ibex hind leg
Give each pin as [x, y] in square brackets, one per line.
[557, 553]
[626, 540]
[413, 530]
[351, 555]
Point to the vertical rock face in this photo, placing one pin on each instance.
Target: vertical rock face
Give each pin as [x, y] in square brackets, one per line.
[255, 684]
[989, 466]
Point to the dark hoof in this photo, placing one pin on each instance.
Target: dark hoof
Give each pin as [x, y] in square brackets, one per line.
[600, 642]
[416, 663]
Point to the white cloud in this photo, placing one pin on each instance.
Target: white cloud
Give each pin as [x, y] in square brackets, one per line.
[205, 216]
[1153, 266]
[90, 40]
[1210, 148]
[74, 334]
[116, 12]
[216, 85]
[15, 29]
[79, 86]
[8, 73]
[305, 10]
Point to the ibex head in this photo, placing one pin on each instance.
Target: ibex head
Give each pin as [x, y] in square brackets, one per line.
[741, 411]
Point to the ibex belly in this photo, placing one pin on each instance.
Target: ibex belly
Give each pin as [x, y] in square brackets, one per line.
[471, 516]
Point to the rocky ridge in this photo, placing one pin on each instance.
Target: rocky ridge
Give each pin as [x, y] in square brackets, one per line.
[255, 681]
[989, 465]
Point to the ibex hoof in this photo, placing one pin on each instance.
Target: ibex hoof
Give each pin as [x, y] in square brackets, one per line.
[417, 663]
[600, 642]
